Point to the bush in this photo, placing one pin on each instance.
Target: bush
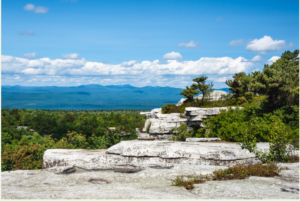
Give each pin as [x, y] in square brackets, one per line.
[249, 96]
[232, 173]
[180, 133]
[148, 127]
[165, 109]
[241, 100]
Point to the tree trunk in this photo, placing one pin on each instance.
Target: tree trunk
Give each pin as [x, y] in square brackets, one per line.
[202, 99]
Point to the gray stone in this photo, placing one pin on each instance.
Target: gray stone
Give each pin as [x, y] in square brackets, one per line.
[161, 124]
[149, 183]
[181, 101]
[151, 152]
[213, 96]
[211, 139]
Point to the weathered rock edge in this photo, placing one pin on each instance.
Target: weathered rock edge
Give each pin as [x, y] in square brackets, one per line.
[153, 152]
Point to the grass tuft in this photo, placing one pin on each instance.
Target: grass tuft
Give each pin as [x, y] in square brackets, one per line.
[232, 173]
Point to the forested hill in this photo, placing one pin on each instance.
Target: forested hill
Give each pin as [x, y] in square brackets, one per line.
[92, 97]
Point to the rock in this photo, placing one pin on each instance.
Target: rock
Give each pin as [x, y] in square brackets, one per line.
[158, 125]
[197, 115]
[211, 139]
[22, 127]
[181, 101]
[149, 183]
[151, 152]
[213, 96]
[152, 113]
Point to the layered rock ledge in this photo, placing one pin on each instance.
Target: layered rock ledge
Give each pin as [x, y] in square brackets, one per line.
[145, 170]
[153, 152]
[159, 126]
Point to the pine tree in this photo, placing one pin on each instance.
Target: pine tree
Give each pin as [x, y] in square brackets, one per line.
[202, 86]
[280, 80]
[189, 93]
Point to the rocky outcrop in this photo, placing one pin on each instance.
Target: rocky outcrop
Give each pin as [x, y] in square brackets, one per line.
[213, 139]
[131, 170]
[213, 96]
[153, 152]
[158, 125]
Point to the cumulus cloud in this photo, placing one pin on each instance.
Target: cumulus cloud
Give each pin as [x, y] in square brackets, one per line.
[41, 9]
[190, 44]
[266, 44]
[272, 60]
[70, 56]
[29, 7]
[28, 32]
[59, 67]
[38, 9]
[257, 58]
[29, 55]
[173, 55]
[236, 42]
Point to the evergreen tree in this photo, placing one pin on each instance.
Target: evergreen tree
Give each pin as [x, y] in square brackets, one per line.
[280, 80]
[202, 86]
[240, 84]
[189, 93]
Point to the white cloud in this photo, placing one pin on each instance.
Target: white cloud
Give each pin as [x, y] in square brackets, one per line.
[29, 55]
[266, 44]
[272, 60]
[70, 56]
[29, 7]
[38, 9]
[172, 55]
[236, 42]
[80, 67]
[190, 44]
[28, 32]
[41, 9]
[257, 58]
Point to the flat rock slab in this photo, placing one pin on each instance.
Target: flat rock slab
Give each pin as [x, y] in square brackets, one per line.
[149, 183]
[153, 152]
[203, 139]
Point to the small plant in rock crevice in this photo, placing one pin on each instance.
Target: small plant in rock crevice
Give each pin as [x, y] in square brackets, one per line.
[188, 184]
[148, 127]
[232, 173]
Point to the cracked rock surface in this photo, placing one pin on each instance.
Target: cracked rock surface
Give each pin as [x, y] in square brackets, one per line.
[153, 152]
[149, 183]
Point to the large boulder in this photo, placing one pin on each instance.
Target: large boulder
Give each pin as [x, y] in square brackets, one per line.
[153, 152]
[213, 96]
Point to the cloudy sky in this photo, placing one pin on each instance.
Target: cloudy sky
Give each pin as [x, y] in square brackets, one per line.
[142, 43]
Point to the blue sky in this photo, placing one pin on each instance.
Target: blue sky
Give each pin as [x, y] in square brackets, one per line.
[142, 43]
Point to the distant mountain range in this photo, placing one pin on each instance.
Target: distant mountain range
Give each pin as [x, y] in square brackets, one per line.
[89, 97]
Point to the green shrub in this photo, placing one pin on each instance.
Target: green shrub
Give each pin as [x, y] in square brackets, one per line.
[148, 127]
[241, 100]
[249, 96]
[165, 109]
[180, 133]
[232, 173]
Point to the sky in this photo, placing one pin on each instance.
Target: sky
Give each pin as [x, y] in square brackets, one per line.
[142, 43]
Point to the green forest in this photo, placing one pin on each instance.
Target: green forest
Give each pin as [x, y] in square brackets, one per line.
[23, 148]
[269, 113]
